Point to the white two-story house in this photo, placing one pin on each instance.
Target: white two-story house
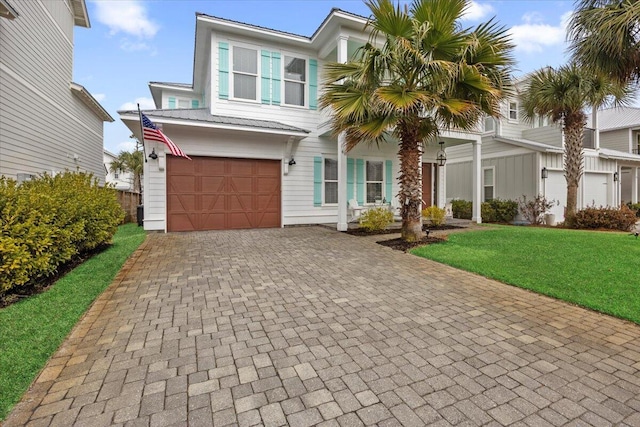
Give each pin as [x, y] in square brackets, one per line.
[521, 158]
[261, 152]
[48, 123]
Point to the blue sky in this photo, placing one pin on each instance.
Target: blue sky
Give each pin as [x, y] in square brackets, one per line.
[133, 42]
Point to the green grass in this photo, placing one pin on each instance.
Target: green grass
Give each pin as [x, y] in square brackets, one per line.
[598, 270]
[33, 329]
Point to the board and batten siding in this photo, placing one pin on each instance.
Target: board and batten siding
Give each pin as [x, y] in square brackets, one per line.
[514, 176]
[615, 140]
[43, 126]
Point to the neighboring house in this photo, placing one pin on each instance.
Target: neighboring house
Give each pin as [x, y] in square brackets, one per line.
[262, 153]
[47, 122]
[521, 158]
[121, 180]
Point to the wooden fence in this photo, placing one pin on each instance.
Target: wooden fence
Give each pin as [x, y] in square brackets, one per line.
[129, 202]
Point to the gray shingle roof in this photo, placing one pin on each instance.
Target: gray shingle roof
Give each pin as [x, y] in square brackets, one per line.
[618, 118]
[203, 115]
[619, 155]
[527, 143]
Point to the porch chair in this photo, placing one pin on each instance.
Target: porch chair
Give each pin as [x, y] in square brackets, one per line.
[355, 209]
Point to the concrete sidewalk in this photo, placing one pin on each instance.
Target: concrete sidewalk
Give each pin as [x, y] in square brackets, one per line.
[306, 326]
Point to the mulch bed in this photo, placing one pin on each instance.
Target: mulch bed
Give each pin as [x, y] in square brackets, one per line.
[401, 245]
[363, 232]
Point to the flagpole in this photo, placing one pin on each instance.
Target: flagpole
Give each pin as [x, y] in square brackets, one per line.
[144, 152]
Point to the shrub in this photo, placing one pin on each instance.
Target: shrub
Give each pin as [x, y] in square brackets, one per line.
[435, 215]
[46, 222]
[608, 218]
[376, 219]
[635, 207]
[498, 210]
[461, 209]
[534, 210]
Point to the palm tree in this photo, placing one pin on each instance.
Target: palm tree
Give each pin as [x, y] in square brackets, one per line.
[563, 95]
[130, 162]
[419, 73]
[604, 37]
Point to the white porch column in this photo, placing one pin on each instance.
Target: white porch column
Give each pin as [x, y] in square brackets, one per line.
[476, 215]
[634, 185]
[342, 155]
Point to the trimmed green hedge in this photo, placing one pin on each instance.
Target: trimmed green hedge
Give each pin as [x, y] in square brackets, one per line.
[496, 210]
[47, 221]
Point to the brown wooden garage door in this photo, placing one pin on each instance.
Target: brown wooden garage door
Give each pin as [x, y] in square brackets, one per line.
[211, 193]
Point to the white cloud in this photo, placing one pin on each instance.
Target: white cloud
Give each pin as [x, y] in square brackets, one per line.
[533, 36]
[477, 11]
[99, 96]
[129, 145]
[126, 16]
[145, 104]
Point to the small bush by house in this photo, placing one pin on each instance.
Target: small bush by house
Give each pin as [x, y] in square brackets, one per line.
[435, 215]
[635, 207]
[498, 210]
[45, 222]
[376, 219]
[608, 218]
[461, 209]
[534, 209]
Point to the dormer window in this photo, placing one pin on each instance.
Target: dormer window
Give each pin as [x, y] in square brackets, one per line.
[295, 78]
[245, 73]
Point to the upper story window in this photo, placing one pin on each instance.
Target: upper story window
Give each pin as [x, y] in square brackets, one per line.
[489, 124]
[513, 110]
[174, 102]
[295, 78]
[245, 73]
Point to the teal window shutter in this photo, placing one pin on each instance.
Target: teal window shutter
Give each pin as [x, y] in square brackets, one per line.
[349, 179]
[360, 181]
[223, 70]
[276, 87]
[172, 102]
[317, 181]
[388, 180]
[265, 76]
[313, 84]
[195, 103]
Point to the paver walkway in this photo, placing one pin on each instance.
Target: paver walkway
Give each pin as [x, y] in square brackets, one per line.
[305, 326]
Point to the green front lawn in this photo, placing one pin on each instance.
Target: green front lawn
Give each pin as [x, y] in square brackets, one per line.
[32, 330]
[598, 270]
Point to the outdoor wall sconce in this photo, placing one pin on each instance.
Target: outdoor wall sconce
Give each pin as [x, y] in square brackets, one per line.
[292, 162]
[442, 156]
[153, 154]
[545, 173]
[615, 176]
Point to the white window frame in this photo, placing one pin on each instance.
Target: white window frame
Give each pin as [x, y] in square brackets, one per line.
[493, 184]
[283, 90]
[515, 110]
[373, 182]
[232, 73]
[324, 181]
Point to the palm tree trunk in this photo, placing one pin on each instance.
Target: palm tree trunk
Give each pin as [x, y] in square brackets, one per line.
[573, 156]
[410, 183]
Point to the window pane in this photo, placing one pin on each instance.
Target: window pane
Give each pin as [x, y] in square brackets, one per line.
[488, 193]
[488, 177]
[330, 170]
[488, 124]
[374, 171]
[184, 103]
[294, 69]
[374, 192]
[244, 86]
[293, 93]
[331, 192]
[245, 60]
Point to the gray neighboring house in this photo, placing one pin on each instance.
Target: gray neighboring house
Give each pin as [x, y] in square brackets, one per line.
[48, 123]
[521, 158]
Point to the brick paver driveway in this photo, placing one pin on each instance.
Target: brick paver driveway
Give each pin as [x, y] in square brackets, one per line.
[305, 326]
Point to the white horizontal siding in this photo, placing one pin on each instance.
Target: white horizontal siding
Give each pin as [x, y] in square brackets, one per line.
[615, 140]
[551, 135]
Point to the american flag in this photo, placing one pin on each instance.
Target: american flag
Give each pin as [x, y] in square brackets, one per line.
[152, 133]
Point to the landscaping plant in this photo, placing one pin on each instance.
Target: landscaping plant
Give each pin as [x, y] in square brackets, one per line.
[435, 215]
[498, 210]
[461, 209]
[534, 210]
[608, 218]
[376, 219]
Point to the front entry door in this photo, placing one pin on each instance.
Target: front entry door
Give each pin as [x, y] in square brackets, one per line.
[427, 185]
